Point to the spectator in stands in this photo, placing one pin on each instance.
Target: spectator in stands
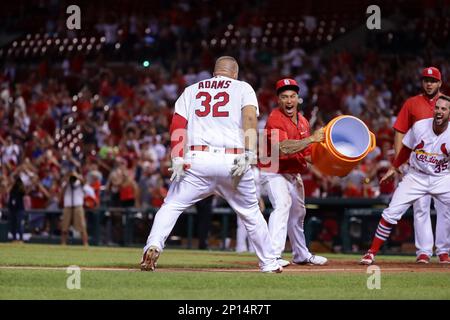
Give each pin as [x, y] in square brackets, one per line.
[10, 152]
[159, 192]
[73, 195]
[39, 197]
[354, 103]
[129, 192]
[16, 208]
[113, 187]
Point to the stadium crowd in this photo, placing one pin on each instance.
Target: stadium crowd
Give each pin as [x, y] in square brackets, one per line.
[110, 121]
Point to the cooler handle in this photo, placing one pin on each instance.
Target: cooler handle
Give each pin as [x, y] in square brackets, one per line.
[373, 141]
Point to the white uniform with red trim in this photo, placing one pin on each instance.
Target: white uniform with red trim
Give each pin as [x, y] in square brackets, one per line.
[214, 137]
[212, 108]
[418, 108]
[428, 173]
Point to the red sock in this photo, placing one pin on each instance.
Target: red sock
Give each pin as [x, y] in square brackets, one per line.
[381, 235]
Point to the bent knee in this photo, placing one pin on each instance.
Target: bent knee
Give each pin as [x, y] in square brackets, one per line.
[282, 204]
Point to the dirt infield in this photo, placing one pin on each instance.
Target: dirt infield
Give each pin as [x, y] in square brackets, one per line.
[353, 266]
[333, 266]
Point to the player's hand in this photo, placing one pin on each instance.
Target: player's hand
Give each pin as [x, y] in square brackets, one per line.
[390, 174]
[242, 162]
[318, 135]
[179, 166]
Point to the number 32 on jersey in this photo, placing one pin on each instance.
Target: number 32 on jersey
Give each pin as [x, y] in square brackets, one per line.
[220, 100]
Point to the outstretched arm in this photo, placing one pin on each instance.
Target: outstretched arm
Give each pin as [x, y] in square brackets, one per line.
[398, 144]
[249, 123]
[288, 147]
[244, 160]
[178, 135]
[178, 138]
[401, 158]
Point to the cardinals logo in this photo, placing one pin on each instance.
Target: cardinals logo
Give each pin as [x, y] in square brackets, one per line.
[444, 149]
[420, 145]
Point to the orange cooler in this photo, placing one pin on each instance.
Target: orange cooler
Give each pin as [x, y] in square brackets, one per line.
[347, 142]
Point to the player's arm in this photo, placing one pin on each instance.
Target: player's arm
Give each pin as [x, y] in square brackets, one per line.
[402, 124]
[290, 146]
[398, 144]
[249, 115]
[243, 161]
[178, 126]
[249, 124]
[403, 155]
[401, 158]
[178, 135]
[178, 138]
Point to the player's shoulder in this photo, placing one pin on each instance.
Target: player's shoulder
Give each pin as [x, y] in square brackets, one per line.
[302, 119]
[275, 116]
[192, 87]
[414, 100]
[275, 113]
[423, 124]
[243, 84]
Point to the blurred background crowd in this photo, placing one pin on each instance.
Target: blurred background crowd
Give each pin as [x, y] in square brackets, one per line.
[99, 100]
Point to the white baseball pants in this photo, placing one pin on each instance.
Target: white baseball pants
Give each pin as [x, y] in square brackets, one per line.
[287, 196]
[414, 186]
[210, 174]
[423, 230]
[243, 243]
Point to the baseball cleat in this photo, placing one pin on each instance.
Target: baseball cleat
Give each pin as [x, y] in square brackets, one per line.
[279, 270]
[423, 258]
[313, 261]
[283, 263]
[368, 259]
[443, 258]
[150, 258]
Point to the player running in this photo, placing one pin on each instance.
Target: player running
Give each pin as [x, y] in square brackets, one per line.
[211, 117]
[427, 145]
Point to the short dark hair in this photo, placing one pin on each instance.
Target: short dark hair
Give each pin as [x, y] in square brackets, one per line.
[443, 97]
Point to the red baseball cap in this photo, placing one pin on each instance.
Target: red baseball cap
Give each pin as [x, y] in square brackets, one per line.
[287, 84]
[431, 72]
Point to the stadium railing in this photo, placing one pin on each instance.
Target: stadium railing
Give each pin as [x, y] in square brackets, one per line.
[343, 208]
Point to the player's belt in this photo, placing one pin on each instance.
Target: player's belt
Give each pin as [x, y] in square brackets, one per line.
[217, 149]
[418, 170]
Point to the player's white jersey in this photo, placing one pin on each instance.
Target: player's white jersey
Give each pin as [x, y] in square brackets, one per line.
[430, 151]
[213, 110]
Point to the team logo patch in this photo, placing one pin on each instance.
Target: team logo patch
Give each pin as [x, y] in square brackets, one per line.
[419, 146]
[430, 71]
[444, 149]
[286, 82]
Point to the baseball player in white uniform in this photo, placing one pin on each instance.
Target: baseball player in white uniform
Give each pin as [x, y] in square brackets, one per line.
[211, 117]
[428, 153]
[414, 109]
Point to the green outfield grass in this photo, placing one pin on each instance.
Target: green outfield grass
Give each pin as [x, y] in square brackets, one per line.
[179, 285]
